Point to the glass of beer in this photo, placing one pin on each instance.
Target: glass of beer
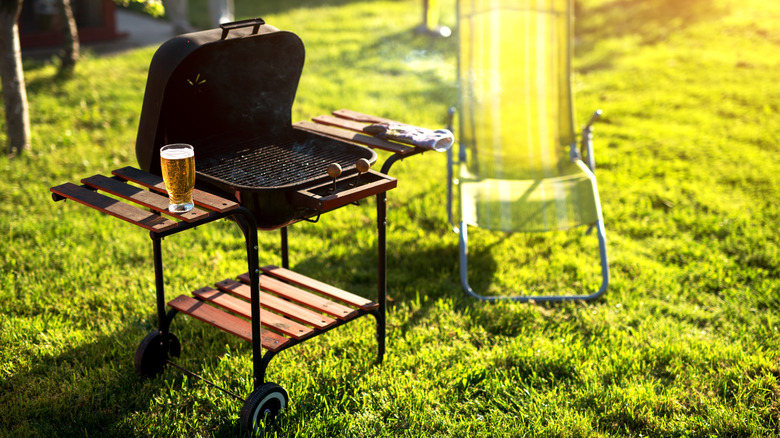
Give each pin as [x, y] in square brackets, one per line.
[177, 162]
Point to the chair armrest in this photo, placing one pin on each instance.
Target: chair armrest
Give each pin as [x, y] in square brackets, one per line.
[586, 148]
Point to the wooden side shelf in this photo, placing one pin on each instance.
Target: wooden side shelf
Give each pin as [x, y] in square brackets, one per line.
[348, 125]
[293, 307]
[119, 209]
[155, 200]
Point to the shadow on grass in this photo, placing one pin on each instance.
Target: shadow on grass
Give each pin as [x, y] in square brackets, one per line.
[85, 391]
[93, 389]
[649, 21]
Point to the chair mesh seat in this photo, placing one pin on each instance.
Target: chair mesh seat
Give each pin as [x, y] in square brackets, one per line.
[556, 203]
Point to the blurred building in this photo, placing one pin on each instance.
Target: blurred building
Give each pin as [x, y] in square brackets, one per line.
[41, 24]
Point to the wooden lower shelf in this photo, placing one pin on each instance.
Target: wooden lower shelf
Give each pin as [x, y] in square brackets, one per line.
[293, 307]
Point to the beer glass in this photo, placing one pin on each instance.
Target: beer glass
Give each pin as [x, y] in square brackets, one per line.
[177, 162]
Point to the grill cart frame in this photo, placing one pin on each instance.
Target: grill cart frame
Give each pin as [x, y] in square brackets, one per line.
[148, 191]
[279, 311]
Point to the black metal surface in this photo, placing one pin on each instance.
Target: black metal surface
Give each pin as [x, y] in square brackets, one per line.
[262, 163]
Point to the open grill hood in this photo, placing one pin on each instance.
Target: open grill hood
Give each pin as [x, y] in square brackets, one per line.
[229, 92]
[202, 87]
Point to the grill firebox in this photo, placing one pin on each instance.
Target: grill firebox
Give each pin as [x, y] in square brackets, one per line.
[275, 162]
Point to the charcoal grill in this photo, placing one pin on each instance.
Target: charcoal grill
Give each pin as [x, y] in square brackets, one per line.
[229, 92]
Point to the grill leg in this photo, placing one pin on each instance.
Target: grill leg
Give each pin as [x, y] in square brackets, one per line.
[381, 225]
[249, 227]
[164, 318]
[285, 249]
[162, 321]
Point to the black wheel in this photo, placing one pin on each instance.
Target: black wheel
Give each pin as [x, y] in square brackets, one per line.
[262, 408]
[151, 354]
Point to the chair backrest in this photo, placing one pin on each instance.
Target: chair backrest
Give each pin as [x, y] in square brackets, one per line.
[516, 116]
[515, 111]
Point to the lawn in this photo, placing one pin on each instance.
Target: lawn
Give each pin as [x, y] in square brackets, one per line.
[684, 343]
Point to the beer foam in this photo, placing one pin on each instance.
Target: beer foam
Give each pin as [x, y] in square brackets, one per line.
[177, 153]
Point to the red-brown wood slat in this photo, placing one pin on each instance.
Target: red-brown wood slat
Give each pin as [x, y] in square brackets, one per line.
[201, 198]
[353, 121]
[114, 207]
[342, 134]
[140, 196]
[226, 322]
[338, 122]
[300, 296]
[318, 286]
[278, 305]
[243, 308]
[360, 117]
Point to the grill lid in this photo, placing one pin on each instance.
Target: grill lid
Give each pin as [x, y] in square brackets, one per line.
[217, 82]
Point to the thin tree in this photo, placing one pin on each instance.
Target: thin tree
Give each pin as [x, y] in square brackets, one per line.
[14, 92]
[17, 118]
[70, 54]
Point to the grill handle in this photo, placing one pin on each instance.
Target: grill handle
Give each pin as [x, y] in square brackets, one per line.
[255, 23]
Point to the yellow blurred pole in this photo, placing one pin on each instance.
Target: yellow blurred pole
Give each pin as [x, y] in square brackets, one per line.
[431, 16]
[431, 11]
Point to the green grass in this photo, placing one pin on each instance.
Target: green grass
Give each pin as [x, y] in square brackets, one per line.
[684, 343]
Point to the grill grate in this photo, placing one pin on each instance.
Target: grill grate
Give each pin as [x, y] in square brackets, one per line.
[269, 163]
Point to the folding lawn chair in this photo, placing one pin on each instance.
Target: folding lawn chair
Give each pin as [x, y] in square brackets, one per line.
[518, 166]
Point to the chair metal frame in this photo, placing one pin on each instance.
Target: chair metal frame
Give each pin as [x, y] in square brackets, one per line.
[586, 149]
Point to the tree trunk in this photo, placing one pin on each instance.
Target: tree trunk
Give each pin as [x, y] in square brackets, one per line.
[71, 53]
[14, 92]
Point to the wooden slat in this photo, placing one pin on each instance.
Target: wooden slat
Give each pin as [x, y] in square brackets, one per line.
[318, 286]
[353, 124]
[226, 322]
[278, 305]
[154, 182]
[367, 140]
[300, 296]
[243, 308]
[114, 207]
[340, 123]
[360, 117]
[138, 176]
[140, 196]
